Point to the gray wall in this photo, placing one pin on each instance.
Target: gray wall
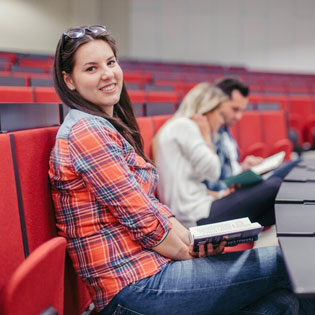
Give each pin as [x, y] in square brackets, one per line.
[260, 34]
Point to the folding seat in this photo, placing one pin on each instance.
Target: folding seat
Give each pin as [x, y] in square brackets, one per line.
[275, 133]
[137, 98]
[159, 121]
[37, 285]
[138, 77]
[46, 95]
[41, 82]
[250, 137]
[300, 108]
[9, 80]
[161, 102]
[17, 68]
[11, 238]
[36, 63]
[32, 149]
[4, 66]
[16, 94]
[146, 129]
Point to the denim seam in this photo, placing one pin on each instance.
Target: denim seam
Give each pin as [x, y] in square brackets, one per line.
[206, 288]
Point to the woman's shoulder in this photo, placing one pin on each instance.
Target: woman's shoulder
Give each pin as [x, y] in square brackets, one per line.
[181, 123]
[78, 120]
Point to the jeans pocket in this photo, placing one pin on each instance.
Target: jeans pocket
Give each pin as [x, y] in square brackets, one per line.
[121, 310]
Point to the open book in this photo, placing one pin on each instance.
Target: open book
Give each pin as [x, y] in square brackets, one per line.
[233, 231]
[254, 176]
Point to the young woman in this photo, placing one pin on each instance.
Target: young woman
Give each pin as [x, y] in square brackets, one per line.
[133, 255]
[187, 163]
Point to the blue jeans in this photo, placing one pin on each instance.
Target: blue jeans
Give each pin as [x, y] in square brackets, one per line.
[249, 282]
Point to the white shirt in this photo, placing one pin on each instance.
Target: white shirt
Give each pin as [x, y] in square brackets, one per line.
[184, 160]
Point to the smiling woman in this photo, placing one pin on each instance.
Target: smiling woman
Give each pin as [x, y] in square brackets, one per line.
[131, 252]
[96, 75]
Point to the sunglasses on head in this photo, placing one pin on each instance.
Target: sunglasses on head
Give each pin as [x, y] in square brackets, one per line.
[79, 32]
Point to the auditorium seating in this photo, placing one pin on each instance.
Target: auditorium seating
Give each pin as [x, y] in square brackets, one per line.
[275, 134]
[16, 94]
[37, 284]
[27, 209]
[250, 135]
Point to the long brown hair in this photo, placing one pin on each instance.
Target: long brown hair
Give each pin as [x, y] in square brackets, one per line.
[123, 118]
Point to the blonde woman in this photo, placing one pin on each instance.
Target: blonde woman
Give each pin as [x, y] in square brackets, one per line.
[185, 157]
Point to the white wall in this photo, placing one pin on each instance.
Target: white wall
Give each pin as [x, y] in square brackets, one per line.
[36, 25]
[261, 34]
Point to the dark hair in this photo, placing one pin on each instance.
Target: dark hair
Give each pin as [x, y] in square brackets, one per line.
[123, 119]
[228, 85]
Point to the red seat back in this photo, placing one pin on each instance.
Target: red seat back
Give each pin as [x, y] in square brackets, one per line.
[9, 94]
[32, 155]
[250, 134]
[46, 95]
[146, 128]
[275, 132]
[38, 282]
[159, 121]
[11, 249]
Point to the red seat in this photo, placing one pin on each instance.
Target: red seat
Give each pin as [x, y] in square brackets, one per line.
[11, 249]
[32, 154]
[250, 135]
[159, 121]
[38, 282]
[162, 97]
[275, 132]
[303, 107]
[46, 95]
[11, 94]
[146, 128]
[140, 78]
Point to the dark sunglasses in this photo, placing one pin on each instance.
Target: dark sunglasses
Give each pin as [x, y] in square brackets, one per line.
[79, 32]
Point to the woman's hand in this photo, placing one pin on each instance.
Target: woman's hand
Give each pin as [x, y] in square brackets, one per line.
[207, 250]
[204, 127]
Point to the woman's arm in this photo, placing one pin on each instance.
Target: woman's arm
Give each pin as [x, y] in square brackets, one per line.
[180, 230]
[173, 247]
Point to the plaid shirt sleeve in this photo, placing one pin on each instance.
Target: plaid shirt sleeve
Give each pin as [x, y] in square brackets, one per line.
[109, 166]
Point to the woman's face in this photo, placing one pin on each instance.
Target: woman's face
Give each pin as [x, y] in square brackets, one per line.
[96, 75]
[215, 119]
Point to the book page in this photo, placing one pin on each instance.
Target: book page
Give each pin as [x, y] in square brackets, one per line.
[221, 227]
[269, 163]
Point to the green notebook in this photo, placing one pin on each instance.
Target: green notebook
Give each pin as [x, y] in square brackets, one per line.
[244, 179]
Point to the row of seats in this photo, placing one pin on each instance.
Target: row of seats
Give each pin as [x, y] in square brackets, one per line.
[262, 133]
[301, 110]
[173, 70]
[161, 80]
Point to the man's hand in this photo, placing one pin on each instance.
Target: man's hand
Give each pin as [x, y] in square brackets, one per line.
[250, 161]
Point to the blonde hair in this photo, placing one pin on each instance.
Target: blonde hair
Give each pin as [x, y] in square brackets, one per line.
[202, 98]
